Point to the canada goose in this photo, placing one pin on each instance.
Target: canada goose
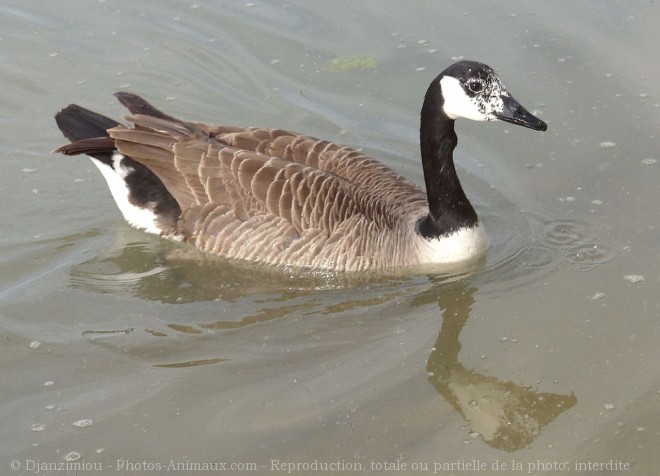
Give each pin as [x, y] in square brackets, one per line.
[276, 197]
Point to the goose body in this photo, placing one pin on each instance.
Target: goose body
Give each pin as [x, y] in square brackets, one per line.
[280, 198]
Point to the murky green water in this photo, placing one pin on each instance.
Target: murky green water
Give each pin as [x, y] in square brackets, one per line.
[123, 352]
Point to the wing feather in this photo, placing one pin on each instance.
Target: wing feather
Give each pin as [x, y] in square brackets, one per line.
[240, 188]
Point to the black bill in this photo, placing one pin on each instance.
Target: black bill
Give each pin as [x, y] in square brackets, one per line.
[514, 113]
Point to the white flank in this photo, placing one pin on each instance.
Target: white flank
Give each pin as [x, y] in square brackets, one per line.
[463, 245]
[141, 218]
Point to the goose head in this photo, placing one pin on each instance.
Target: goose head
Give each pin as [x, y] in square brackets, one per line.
[474, 91]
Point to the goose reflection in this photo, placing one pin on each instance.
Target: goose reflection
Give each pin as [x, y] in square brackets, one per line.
[506, 415]
[156, 270]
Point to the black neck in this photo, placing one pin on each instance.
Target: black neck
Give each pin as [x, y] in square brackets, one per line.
[449, 208]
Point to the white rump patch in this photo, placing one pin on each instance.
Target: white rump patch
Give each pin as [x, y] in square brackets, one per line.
[139, 217]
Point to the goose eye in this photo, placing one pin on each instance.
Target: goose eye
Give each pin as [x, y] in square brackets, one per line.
[475, 86]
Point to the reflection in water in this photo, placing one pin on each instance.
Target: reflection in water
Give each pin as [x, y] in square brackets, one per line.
[190, 363]
[156, 270]
[263, 315]
[107, 333]
[267, 314]
[506, 415]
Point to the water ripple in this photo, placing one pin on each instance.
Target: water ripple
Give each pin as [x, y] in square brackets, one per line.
[532, 247]
[590, 255]
[562, 233]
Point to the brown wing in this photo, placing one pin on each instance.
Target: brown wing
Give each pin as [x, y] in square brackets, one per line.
[366, 173]
[220, 175]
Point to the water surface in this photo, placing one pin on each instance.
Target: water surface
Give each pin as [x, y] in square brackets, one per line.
[119, 348]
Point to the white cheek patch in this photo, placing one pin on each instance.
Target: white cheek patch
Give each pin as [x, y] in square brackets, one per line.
[480, 107]
[457, 102]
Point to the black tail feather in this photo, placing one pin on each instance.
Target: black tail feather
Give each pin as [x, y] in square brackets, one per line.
[78, 123]
[92, 147]
[88, 133]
